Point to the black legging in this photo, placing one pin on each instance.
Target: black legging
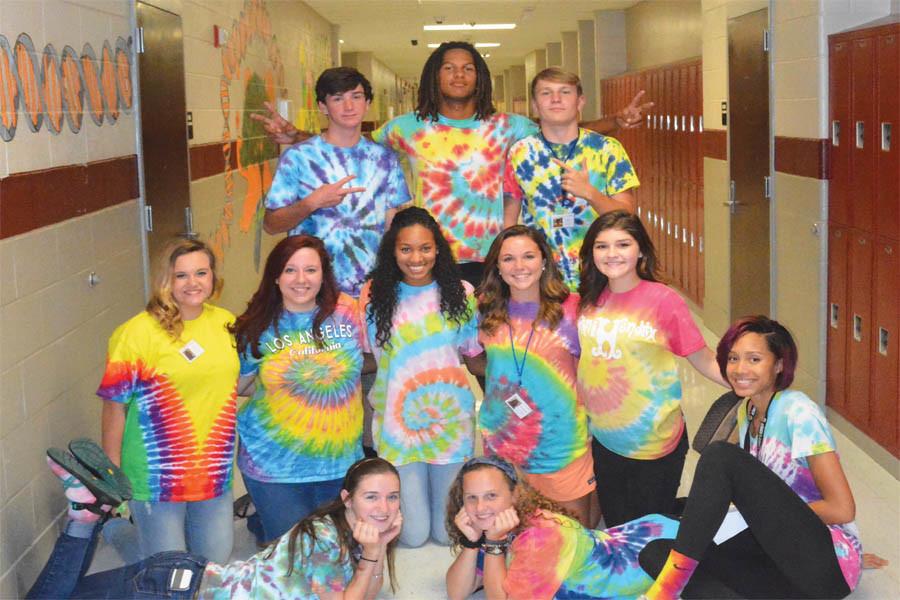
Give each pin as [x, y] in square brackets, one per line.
[786, 553]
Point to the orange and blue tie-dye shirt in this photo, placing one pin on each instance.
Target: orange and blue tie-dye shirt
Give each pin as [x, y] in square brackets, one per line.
[304, 421]
[796, 429]
[424, 405]
[457, 167]
[555, 557]
[178, 443]
[554, 433]
[534, 180]
[627, 377]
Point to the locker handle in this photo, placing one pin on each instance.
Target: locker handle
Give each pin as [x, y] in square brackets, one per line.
[683, 122]
[835, 133]
[886, 137]
[833, 315]
[860, 134]
[676, 231]
[857, 328]
[692, 124]
[882, 341]
[700, 123]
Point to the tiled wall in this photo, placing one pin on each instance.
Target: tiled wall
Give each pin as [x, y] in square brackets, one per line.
[53, 325]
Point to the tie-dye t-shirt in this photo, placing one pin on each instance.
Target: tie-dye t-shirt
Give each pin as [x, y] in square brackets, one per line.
[424, 406]
[795, 430]
[534, 180]
[457, 166]
[555, 433]
[304, 421]
[555, 557]
[627, 377]
[178, 443]
[317, 570]
[353, 229]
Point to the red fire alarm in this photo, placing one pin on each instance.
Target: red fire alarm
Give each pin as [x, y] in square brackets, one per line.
[220, 36]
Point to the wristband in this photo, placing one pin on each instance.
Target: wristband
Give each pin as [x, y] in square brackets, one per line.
[467, 543]
[495, 547]
[368, 559]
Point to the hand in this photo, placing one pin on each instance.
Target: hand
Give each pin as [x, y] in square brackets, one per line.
[576, 182]
[504, 522]
[632, 115]
[464, 524]
[387, 536]
[368, 538]
[279, 129]
[331, 194]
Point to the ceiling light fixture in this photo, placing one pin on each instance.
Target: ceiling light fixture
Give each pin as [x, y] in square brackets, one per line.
[478, 45]
[469, 27]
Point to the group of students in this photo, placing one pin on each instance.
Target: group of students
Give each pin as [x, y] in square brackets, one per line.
[364, 306]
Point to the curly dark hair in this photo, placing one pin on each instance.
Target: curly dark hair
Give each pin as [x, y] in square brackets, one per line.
[494, 294]
[430, 86]
[386, 276]
[526, 500]
[266, 305]
[593, 282]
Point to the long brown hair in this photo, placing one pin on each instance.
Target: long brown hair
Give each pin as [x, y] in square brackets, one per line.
[335, 510]
[494, 294]
[266, 305]
[162, 305]
[593, 282]
[526, 500]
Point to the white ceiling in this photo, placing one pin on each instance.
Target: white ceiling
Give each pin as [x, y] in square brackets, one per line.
[386, 27]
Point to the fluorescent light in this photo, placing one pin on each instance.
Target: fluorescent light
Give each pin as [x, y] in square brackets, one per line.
[478, 45]
[469, 26]
[341, 41]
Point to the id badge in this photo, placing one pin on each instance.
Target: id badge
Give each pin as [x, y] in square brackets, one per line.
[518, 405]
[564, 220]
[191, 351]
[180, 580]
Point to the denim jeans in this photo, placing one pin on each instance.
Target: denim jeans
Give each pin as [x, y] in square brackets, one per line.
[63, 575]
[281, 505]
[204, 527]
[423, 500]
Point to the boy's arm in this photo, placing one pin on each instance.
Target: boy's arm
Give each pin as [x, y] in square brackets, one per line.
[286, 218]
[627, 118]
[577, 182]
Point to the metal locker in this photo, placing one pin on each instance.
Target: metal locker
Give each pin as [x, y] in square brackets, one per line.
[887, 185]
[841, 132]
[885, 397]
[837, 319]
[862, 136]
[859, 315]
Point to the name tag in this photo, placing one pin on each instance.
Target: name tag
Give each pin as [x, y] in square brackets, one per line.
[563, 220]
[519, 407]
[191, 351]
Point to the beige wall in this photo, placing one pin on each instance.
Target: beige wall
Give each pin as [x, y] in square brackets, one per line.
[53, 325]
[228, 207]
[392, 96]
[662, 31]
[535, 62]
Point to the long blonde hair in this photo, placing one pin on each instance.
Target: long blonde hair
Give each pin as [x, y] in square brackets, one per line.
[162, 305]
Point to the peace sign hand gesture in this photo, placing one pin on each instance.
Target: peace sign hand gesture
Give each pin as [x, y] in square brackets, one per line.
[331, 194]
[577, 181]
[632, 115]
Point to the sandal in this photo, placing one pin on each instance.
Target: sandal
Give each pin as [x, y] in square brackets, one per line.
[92, 456]
[719, 422]
[104, 492]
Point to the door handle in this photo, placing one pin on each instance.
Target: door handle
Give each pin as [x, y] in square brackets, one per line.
[732, 204]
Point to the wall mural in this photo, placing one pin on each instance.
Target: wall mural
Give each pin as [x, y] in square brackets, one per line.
[253, 26]
[51, 88]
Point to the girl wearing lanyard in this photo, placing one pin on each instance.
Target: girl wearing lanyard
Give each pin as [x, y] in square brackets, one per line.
[530, 415]
[631, 328]
[786, 481]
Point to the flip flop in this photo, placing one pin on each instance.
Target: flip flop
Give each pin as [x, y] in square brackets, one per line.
[92, 456]
[103, 492]
[719, 422]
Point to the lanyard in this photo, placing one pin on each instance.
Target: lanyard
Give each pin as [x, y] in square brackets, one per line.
[761, 434]
[520, 368]
[570, 152]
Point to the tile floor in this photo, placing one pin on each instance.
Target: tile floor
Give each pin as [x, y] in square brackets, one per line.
[421, 570]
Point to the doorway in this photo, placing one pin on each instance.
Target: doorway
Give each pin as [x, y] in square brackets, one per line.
[163, 126]
[749, 162]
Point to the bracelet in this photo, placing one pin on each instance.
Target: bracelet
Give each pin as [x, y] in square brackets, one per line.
[467, 543]
[496, 548]
[368, 559]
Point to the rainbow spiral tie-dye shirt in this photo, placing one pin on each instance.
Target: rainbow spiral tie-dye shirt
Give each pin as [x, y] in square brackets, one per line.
[533, 179]
[555, 433]
[178, 443]
[353, 229]
[555, 557]
[424, 405]
[796, 429]
[319, 569]
[627, 376]
[457, 167]
[304, 421]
